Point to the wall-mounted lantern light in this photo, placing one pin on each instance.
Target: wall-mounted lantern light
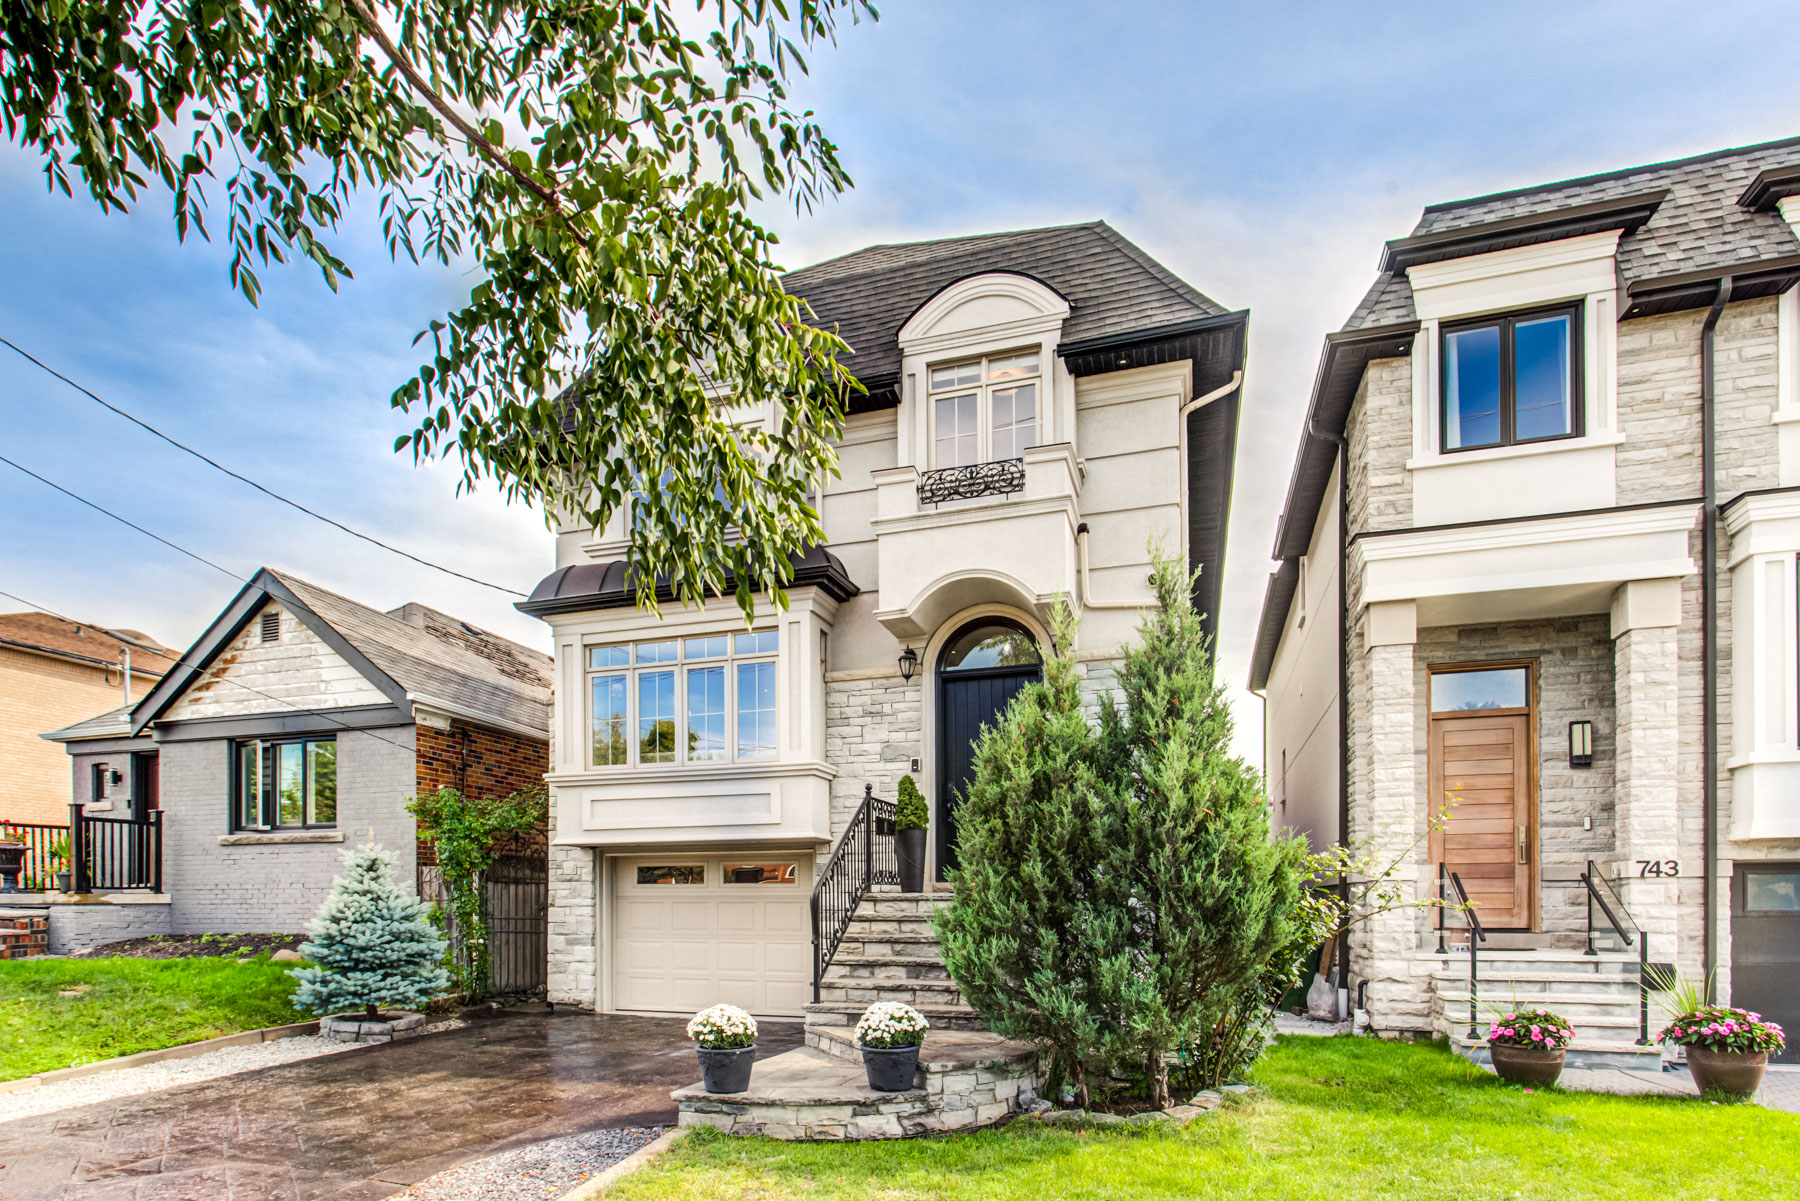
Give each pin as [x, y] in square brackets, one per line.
[1581, 744]
[909, 663]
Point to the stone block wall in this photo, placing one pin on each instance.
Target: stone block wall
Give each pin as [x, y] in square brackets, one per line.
[873, 730]
[574, 945]
[1380, 433]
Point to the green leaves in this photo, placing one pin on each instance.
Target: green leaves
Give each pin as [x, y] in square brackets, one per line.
[584, 154]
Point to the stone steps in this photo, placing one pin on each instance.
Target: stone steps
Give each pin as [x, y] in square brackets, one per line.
[888, 953]
[1618, 1052]
[846, 1013]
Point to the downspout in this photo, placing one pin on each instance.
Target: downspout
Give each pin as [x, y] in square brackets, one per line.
[1081, 531]
[1709, 640]
[1343, 643]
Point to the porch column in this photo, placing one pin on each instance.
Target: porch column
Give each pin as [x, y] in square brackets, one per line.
[1386, 813]
[1646, 798]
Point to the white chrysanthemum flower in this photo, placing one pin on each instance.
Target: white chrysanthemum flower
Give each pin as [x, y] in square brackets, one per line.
[722, 1027]
[891, 1024]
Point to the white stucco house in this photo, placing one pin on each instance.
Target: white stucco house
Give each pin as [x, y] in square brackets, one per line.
[1538, 560]
[1040, 405]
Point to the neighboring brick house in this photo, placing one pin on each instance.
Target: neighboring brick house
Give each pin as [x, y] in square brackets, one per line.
[301, 720]
[1538, 558]
[53, 672]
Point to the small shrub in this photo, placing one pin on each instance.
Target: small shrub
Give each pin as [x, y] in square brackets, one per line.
[910, 810]
[722, 1028]
[372, 943]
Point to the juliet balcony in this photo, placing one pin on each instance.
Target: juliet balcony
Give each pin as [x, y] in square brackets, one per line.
[988, 533]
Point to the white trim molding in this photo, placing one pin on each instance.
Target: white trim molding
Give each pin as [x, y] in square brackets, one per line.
[1520, 570]
[1765, 655]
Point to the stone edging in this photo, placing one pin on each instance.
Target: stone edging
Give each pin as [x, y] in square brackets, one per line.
[591, 1188]
[242, 1038]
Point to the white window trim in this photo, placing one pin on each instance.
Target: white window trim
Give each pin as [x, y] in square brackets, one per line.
[984, 390]
[680, 666]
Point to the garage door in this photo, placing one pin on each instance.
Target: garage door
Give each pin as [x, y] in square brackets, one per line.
[692, 931]
[1765, 946]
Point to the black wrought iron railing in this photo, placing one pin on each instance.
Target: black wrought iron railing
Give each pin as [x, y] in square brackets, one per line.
[863, 858]
[46, 852]
[115, 854]
[1450, 886]
[1002, 477]
[1604, 894]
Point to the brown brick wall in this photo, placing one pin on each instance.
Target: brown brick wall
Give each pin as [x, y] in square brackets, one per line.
[479, 762]
[40, 693]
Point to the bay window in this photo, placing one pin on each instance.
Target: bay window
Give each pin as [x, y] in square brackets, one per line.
[1512, 379]
[706, 699]
[985, 410]
[282, 784]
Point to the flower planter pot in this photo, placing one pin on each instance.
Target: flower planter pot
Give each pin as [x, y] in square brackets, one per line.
[891, 1069]
[59, 881]
[726, 1069]
[1735, 1072]
[1526, 1065]
[12, 862]
[909, 848]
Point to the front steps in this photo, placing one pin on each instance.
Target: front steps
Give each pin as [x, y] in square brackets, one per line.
[890, 954]
[1597, 993]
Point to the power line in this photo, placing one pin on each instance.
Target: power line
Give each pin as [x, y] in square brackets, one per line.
[134, 525]
[266, 491]
[335, 725]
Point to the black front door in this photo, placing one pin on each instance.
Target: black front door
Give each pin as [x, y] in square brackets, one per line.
[1765, 946]
[966, 702]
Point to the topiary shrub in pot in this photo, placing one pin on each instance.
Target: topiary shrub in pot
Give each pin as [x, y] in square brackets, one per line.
[890, 1034]
[726, 1044]
[1727, 1049]
[911, 817]
[1528, 1045]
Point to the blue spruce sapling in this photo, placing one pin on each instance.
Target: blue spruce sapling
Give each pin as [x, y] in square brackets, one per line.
[371, 944]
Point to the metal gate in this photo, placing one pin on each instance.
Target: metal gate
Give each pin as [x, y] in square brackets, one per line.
[516, 891]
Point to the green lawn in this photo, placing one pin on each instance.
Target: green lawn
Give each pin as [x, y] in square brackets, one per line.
[130, 1005]
[1343, 1118]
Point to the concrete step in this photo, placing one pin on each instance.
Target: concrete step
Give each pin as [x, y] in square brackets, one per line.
[1617, 1052]
[846, 1013]
[884, 968]
[1574, 1006]
[865, 925]
[1571, 980]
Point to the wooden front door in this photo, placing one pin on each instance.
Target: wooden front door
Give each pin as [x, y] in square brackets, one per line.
[1483, 768]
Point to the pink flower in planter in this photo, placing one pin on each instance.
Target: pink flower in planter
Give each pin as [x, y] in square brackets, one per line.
[1536, 1037]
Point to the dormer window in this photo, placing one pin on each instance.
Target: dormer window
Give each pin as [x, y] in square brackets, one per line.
[984, 410]
[1512, 379]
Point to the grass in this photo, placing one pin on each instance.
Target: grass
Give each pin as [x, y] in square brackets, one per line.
[128, 1005]
[1344, 1118]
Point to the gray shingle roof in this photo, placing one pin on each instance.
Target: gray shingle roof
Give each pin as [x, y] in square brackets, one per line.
[479, 673]
[114, 723]
[1698, 226]
[1112, 286]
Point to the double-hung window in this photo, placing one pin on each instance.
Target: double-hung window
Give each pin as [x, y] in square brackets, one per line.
[985, 410]
[706, 699]
[284, 784]
[1513, 379]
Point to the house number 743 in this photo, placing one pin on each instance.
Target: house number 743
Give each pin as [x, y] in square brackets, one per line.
[1659, 867]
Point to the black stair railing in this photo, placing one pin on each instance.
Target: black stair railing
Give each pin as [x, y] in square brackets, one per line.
[1602, 892]
[863, 858]
[1449, 885]
[115, 853]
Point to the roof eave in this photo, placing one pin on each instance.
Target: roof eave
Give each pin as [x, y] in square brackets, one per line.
[1627, 214]
[1278, 598]
[1696, 289]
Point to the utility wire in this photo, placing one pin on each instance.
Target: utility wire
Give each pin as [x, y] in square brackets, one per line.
[134, 525]
[270, 492]
[335, 724]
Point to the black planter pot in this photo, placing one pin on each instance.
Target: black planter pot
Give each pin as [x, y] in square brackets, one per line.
[891, 1069]
[12, 862]
[909, 848]
[726, 1070]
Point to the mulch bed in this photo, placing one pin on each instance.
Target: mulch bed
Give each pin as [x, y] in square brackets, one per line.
[194, 946]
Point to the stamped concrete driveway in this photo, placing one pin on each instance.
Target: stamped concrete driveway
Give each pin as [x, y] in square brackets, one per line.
[361, 1124]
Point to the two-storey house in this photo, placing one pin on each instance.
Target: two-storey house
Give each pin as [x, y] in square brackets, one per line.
[1538, 566]
[1041, 405]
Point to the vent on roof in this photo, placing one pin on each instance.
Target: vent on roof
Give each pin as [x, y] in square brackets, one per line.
[271, 627]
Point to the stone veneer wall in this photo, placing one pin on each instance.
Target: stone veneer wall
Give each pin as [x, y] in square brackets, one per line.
[574, 944]
[873, 731]
[1380, 433]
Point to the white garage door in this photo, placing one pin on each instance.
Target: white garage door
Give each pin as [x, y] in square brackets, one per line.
[695, 930]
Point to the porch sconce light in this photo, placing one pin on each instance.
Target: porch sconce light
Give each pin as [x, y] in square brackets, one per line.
[1581, 744]
[909, 663]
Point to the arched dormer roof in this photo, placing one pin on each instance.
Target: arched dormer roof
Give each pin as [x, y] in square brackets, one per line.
[991, 300]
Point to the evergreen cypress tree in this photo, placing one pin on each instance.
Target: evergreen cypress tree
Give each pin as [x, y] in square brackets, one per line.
[371, 943]
[1212, 897]
[1023, 937]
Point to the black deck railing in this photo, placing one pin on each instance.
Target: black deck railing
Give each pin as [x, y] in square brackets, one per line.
[1449, 884]
[1601, 892]
[863, 858]
[115, 854]
[46, 852]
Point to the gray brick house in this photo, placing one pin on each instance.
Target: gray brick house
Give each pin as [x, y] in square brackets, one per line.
[1538, 562]
[300, 720]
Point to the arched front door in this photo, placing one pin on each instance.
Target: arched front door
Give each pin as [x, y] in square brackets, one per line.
[983, 666]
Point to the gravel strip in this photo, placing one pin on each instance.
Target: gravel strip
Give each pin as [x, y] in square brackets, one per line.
[534, 1173]
[172, 1073]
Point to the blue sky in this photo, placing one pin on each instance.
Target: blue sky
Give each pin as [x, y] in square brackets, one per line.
[1262, 152]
